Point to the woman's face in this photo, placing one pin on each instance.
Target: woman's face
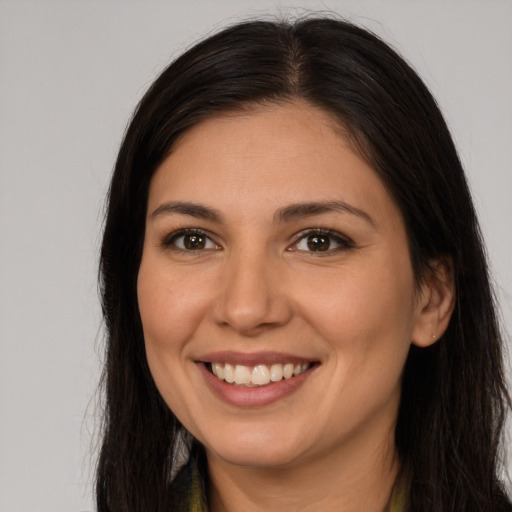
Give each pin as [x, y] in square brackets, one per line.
[270, 247]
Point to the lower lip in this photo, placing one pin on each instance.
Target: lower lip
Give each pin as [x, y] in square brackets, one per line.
[243, 396]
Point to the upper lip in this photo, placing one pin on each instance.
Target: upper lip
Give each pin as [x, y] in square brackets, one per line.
[252, 359]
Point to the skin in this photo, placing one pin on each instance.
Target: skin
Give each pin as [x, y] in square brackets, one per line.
[257, 286]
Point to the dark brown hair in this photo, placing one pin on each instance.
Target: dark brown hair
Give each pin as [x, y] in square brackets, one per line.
[454, 397]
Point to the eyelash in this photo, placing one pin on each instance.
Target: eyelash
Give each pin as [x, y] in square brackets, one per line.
[344, 242]
[169, 241]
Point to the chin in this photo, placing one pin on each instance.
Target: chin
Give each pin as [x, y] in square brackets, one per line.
[257, 450]
[267, 459]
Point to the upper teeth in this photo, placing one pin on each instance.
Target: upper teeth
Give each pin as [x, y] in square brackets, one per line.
[259, 375]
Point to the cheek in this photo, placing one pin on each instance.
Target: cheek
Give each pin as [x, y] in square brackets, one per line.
[169, 309]
[170, 305]
[366, 317]
[362, 307]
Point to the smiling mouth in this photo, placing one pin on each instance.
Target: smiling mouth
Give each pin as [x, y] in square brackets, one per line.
[256, 376]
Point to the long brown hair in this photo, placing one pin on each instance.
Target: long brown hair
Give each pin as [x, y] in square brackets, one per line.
[454, 397]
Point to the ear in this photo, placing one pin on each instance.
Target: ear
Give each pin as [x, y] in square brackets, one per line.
[435, 304]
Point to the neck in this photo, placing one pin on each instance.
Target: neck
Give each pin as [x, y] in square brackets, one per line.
[360, 477]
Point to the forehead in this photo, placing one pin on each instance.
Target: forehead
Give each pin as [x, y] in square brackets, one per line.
[291, 128]
[267, 156]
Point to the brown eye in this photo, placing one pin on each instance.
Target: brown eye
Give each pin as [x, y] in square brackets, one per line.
[190, 241]
[194, 241]
[318, 242]
[322, 241]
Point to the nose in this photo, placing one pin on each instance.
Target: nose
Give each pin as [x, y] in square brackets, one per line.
[252, 297]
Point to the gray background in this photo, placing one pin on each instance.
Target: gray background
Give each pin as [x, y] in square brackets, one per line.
[70, 74]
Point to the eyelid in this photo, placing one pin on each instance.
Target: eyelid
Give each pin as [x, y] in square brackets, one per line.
[345, 241]
[169, 239]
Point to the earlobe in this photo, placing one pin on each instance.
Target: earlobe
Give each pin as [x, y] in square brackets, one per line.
[435, 304]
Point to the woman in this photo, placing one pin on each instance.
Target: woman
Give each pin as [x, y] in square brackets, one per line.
[294, 288]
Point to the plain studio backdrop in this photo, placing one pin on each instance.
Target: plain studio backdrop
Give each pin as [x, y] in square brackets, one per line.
[71, 73]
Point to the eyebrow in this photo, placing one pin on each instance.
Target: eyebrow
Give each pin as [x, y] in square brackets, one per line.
[294, 211]
[196, 210]
[285, 214]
